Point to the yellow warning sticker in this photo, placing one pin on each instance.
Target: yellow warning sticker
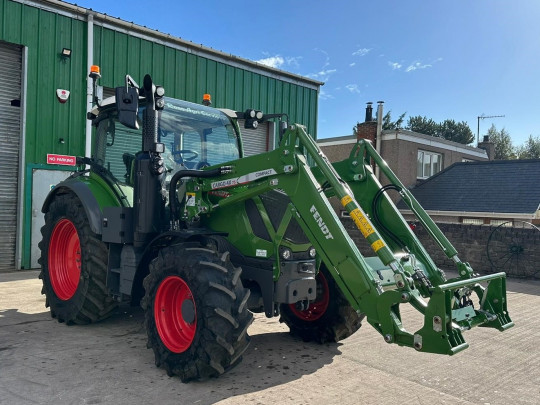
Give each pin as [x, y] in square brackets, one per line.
[345, 200]
[361, 222]
[190, 199]
[378, 244]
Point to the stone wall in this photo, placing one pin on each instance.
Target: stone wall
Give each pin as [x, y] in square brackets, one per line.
[514, 250]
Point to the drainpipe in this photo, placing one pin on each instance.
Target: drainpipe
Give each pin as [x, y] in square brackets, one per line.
[378, 139]
[89, 88]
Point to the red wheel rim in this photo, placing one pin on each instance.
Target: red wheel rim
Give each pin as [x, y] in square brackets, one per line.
[318, 307]
[175, 331]
[64, 259]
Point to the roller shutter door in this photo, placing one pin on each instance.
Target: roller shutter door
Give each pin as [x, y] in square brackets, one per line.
[255, 141]
[10, 120]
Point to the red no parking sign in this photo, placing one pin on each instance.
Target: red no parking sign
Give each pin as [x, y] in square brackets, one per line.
[61, 160]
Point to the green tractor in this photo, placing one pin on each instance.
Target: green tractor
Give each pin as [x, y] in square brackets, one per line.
[167, 213]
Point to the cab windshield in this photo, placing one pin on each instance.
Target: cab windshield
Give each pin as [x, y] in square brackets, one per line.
[194, 136]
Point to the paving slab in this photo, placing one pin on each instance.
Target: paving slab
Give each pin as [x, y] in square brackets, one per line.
[44, 362]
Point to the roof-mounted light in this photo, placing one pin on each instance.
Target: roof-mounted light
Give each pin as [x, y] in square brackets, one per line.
[207, 99]
[95, 72]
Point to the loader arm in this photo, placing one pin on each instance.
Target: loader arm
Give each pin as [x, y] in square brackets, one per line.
[401, 272]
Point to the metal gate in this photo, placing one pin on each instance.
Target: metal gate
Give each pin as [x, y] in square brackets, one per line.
[10, 122]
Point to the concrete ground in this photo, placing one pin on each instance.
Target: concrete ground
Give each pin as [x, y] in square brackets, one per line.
[43, 362]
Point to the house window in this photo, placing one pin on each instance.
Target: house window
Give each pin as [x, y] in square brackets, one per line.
[472, 221]
[428, 164]
[506, 222]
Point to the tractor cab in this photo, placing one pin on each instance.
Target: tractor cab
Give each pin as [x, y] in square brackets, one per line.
[194, 137]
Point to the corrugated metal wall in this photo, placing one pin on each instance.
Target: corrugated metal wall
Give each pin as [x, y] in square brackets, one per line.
[187, 76]
[10, 134]
[184, 75]
[45, 34]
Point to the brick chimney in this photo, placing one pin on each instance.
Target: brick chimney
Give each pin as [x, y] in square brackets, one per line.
[488, 146]
[367, 129]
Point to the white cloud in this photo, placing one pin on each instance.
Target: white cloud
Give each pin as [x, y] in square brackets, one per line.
[272, 61]
[361, 52]
[323, 75]
[326, 72]
[278, 61]
[324, 95]
[417, 65]
[293, 61]
[353, 88]
[327, 57]
[352, 64]
[395, 65]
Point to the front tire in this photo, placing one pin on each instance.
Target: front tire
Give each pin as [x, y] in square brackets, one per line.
[73, 264]
[329, 318]
[196, 316]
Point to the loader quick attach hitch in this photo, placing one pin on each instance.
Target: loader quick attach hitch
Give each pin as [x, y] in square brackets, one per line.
[445, 318]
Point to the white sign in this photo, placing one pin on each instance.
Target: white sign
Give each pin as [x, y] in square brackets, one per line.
[62, 95]
[243, 179]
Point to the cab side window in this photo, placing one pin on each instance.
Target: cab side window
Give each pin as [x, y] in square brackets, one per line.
[116, 148]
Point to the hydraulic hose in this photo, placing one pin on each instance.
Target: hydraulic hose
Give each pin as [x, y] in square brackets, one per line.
[377, 219]
[173, 202]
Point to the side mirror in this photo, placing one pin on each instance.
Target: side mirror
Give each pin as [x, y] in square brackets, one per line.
[127, 104]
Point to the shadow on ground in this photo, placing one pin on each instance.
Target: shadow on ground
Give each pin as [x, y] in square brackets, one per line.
[37, 351]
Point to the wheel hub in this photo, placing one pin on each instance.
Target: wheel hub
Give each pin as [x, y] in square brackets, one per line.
[318, 307]
[64, 259]
[175, 314]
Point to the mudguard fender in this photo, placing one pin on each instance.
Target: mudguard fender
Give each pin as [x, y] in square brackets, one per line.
[84, 194]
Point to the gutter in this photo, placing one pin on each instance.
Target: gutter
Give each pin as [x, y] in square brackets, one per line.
[74, 11]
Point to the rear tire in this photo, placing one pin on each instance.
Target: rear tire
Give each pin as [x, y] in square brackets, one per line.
[330, 318]
[73, 264]
[196, 315]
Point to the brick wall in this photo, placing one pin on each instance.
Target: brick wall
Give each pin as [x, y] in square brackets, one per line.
[337, 153]
[471, 243]
[367, 130]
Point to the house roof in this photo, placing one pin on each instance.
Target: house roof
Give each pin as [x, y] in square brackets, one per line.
[500, 186]
[434, 141]
[411, 136]
[337, 140]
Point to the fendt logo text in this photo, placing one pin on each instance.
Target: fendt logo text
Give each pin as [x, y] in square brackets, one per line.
[320, 222]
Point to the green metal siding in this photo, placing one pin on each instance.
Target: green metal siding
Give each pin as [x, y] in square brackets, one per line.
[188, 76]
[184, 74]
[45, 34]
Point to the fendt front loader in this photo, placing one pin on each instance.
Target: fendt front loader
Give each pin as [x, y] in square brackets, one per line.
[169, 214]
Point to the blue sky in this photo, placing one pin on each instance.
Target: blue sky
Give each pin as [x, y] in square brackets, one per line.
[442, 59]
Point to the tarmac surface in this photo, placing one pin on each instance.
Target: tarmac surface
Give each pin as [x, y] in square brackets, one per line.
[44, 362]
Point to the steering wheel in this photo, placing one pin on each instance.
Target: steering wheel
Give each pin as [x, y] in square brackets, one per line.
[178, 154]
